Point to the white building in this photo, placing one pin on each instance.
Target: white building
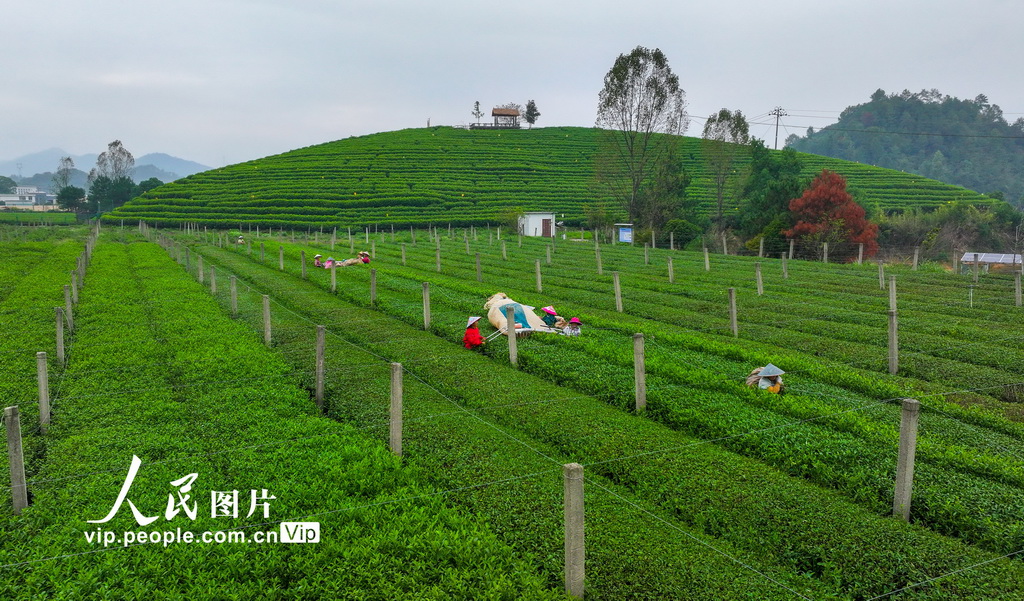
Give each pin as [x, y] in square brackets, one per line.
[24, 197]
[537, 223]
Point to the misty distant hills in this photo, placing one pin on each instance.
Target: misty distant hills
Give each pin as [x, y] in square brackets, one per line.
[37, 168]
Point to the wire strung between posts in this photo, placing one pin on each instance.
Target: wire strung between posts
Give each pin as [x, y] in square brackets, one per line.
[946, 575]
[691, 537]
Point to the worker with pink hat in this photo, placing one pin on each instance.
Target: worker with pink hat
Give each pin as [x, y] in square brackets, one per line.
[572, 328]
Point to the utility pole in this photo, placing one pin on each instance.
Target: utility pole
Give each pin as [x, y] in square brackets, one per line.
[778, 112]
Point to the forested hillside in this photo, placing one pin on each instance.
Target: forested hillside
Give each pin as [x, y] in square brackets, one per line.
[964, 142]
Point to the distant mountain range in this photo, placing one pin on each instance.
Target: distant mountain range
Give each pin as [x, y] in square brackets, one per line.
[37, 168]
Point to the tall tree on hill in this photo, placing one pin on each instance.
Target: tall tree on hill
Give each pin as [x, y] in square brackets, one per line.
[116, 162]
[7, 185]
[110, 182]
[827, 213]
[725, 137]
[62, 177]
[531, 113]
[641, 98]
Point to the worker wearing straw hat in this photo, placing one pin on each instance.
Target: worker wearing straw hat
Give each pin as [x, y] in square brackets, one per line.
[472, 339]
[767, 378]
[316, 261]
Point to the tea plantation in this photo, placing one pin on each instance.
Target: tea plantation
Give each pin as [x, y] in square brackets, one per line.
[713, 491]
[446, 175]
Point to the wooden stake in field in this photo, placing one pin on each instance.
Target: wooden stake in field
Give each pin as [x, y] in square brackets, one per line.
[725, 244]
[639, 373]
[537, 271]
[321, 343]
[618, 291]
[892, 293]
[334, 277]
[881, 275]
[395, 429]
[597, 256]
[733, 321]
[575, 541]
[43, 380]
[905, 462]
[760, 282]
[1016, 289]
[510, 333]
[671, 272]
[792, 243]
[760, 248]
[707, 260]
[785, 267]
[647, 255]
[671, 240]
[266, 320]
[437, 258]
[917, 253]
[280, 258]
[426, 306]
[824, 250]
[213, 279]
[199, 269]
[860, 253]
[16, 459]
[547, 251]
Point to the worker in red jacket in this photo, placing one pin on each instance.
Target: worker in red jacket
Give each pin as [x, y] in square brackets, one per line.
[472, 339]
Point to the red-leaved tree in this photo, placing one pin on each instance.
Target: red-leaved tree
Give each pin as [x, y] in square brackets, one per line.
[827, 213]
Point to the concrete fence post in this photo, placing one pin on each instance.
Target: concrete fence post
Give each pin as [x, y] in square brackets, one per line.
[760, 282]
[321, 343]
[395, 429]
[618, 291]
[234, 297]
[575, 549]
[67, 308]
[671, 272]
[43, 379]
[266, 320]
[426, 306]
[733, 321]
[16, 459]
[905, 461]
[894, 343]
[510, 333]
[60, 334]
[639, 373]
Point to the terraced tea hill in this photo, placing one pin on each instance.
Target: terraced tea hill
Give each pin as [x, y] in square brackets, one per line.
[446, 175]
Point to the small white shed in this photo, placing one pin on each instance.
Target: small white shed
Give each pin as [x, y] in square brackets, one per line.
[537, 223]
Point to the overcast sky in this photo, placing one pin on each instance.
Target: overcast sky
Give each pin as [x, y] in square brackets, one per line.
[224, 81]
